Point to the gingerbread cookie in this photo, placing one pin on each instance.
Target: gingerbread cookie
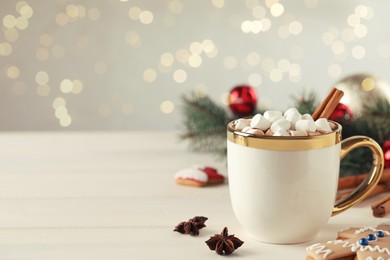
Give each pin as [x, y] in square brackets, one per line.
[366, 243]
[199, 176]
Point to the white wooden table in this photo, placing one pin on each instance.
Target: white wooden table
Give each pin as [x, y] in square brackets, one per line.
[112, 196]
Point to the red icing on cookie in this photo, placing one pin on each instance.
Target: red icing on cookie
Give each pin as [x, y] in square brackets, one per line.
[212, 173]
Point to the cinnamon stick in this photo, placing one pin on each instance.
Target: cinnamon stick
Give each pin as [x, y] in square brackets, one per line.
[380, 188]
[328, 105]
[350, 182]
[381, 207]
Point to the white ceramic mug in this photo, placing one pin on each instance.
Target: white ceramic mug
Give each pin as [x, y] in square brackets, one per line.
[283, 189]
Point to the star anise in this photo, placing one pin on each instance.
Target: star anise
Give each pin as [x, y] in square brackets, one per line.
[223, 243]
[191, 226]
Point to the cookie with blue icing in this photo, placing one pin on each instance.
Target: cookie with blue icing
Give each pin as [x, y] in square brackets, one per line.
[366, 243]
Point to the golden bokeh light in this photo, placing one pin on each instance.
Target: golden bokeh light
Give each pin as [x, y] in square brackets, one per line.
[275, 75]
[283, 65]
[334, 70]
[66, 86]
[146, 17]
[200, 90]
[182, 56]
[224, 98]
[5, 49]
[65, 121]
[78, 86]
[11, 35]
[93, 14]
[179, 76]
[9, 21]
[167, 106]
[134, 13]
[277, 9]
[26, 12]
[62, 19]
[60, 112]
[338, 47]
[361, 30]
[358, 52]
[218, 3]
[42, 78]
[255, 79]
[150, 75]
[43, 90]
[195, 60]
[167, 59]
[133, 39]
[59, 102]
[295, 70]
[259, 12]
[21, 23]
[175, 6]
[46, 39]
[368, 84]
[196, 48]
[19, 5]
[253, 58]
[13, 72]
[230, 62]
[312, 3]
[295, 27]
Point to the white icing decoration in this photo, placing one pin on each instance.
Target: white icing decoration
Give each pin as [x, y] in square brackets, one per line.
[364, 229]
[345, 244]
[375, 248]
[192, 174]
[319, 249]
[359, 231]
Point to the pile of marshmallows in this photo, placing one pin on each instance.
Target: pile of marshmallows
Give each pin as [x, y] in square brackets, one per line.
[292, 123]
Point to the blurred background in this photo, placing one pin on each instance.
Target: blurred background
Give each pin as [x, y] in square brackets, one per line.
[125, 64]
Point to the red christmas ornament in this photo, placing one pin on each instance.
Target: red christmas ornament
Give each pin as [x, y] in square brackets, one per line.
[242, 100]
[341, 114]
[386, 153]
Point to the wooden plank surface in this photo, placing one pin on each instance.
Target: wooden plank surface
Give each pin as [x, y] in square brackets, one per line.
[112, 196]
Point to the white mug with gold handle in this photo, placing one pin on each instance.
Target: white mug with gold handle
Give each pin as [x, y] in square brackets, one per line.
[283, 189]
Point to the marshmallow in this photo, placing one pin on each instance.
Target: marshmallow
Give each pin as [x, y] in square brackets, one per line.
[256, 132]
[293, 116]
[260, 122]
[298, 133]
[314, 133]
[323, 125]
[272, 114]
[291, 110]
[246, 129]
[307, 117]
[275, 118]
[281, 124]
[269, 132]
[241, 123]
[281, 132]
[305, 125]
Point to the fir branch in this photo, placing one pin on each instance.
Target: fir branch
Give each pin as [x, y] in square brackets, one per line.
[305, 102]
[205, 124]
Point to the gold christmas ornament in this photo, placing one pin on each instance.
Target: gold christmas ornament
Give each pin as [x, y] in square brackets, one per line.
[362, 89]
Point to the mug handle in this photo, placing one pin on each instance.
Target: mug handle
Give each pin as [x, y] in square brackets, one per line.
[371, 180]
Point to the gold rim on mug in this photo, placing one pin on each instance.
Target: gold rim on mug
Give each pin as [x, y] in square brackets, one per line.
[284, 143]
